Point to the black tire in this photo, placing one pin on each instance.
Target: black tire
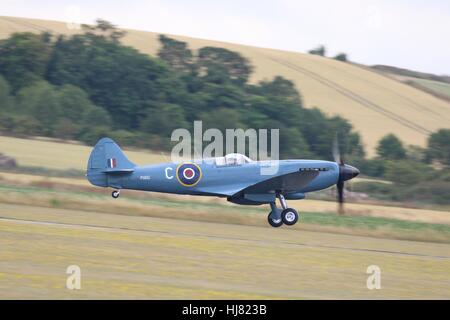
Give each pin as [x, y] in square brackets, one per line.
[115, 194]
[274, 223]
[289, 216]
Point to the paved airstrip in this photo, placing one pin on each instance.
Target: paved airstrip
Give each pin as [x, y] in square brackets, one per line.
[154, 258]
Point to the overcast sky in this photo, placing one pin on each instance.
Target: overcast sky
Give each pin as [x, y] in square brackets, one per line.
[411, 34]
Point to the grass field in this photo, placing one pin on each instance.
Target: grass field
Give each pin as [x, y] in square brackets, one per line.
[375, 104]
[208, 249]
[383, 222]
[28, 182]
[141, 257]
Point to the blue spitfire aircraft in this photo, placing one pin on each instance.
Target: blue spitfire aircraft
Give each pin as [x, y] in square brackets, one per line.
[234, 176]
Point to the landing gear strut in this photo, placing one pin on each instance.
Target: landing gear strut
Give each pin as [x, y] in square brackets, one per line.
[277, 217]
[274, 216]
[115, 194]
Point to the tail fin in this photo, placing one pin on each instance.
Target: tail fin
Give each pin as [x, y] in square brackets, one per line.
[106, 157]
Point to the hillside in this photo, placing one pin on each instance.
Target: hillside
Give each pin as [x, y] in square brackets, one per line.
[375, 104]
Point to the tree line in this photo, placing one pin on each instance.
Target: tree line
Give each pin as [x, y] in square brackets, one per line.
[88, 85]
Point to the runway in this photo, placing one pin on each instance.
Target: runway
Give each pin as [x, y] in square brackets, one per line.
[154, 258]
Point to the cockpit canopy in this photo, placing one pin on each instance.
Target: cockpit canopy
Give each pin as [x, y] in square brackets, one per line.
[232, 159]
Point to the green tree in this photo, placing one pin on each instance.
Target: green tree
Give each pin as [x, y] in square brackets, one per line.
[390, 147]
[280, 88]
[124, 137]
[73, 103]
[220, 65]
[176, 54]
[416, 153]
[224, 95]
[221, 118]
[96, 116]
[104, 29]
[293, 145]
[6, 100]
[439, 146]
[19, 124]
[162, 119]
[251, 111]
[77, 112]
[119, 79]
[91, 134]
[40, 101]
[375, 167]
[65, 129]
[280, 93]
[24, 125]
[319, 51]
[341, 57]
[406, 172]
[23, 58]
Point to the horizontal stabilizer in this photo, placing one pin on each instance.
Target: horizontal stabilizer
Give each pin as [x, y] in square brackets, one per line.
[117, 170]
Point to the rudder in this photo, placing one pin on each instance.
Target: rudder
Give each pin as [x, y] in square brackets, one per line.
[106, 157]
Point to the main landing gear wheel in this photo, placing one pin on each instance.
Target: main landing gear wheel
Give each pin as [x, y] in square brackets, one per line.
[289, 216]
[275, 222]
[115, 194]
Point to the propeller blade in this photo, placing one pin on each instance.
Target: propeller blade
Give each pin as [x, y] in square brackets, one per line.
[340, 196]
[346, 172]
[336, 152]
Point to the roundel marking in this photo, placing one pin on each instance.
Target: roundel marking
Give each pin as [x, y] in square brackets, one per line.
[188, 174]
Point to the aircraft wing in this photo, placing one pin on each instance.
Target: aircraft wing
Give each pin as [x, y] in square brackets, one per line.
[289, 182]
[285, 183]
